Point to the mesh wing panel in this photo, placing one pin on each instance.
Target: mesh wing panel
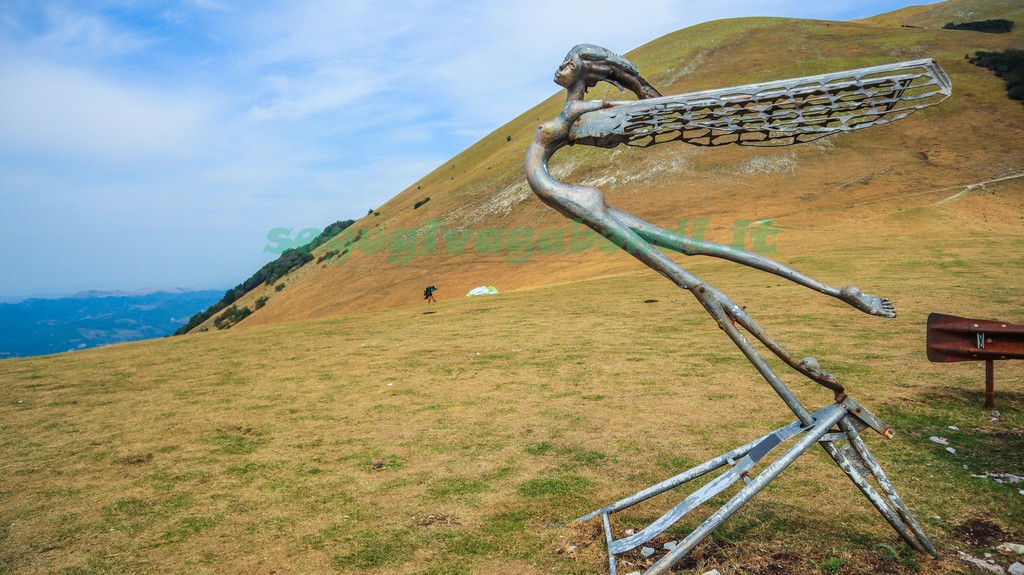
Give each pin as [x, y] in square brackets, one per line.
[778, 113]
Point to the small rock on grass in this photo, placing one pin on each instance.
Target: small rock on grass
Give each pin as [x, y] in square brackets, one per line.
[712, 572]
[1009, 548]
[646, 551]
[980, 565]
[1016, 569]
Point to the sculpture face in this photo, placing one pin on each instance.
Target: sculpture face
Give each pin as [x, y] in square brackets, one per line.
[568, 72]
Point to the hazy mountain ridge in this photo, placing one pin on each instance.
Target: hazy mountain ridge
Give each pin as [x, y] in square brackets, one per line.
[87, 319]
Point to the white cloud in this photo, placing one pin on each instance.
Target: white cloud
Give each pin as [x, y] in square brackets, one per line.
[194, 126]
[330, 88]
[72, 32]
[207, 4]
[175, 17]
[67, 113]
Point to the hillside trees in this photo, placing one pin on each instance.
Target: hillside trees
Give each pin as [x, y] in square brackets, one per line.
[290, 259]
[996, 26]
[1008, 65]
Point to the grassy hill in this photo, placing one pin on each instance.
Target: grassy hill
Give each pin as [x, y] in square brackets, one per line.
[833, 186]
[347, 427]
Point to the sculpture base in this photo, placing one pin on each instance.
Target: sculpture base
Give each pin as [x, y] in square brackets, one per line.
[854, 459]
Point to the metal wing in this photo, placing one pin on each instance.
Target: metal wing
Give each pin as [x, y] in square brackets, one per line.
[776, 113]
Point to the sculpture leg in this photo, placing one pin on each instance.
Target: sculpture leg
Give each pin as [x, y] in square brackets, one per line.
[715, 303]
[895, 500]
[610, 224]
[850, 295]
[616, 231]
[896, 511]
[808, 366]
[861, 482]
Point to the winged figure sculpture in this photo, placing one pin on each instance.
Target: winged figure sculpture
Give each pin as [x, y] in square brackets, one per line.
[777, 113]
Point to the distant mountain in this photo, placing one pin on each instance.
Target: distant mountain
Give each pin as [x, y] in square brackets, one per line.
[123, 293]
[91, 319]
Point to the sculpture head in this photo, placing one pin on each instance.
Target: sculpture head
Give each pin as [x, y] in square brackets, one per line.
[586, 65]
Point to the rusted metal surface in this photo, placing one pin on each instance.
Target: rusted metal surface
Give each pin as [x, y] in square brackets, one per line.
[769, 114]
[951, 338]
[873, 421]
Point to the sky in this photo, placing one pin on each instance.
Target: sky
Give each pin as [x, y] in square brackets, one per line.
[156, 143]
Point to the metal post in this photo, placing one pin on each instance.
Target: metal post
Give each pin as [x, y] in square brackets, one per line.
[990, 384]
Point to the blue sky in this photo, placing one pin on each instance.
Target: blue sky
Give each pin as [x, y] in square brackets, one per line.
[155, 143]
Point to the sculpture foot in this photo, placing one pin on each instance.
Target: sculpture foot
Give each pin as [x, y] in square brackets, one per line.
[870, 304]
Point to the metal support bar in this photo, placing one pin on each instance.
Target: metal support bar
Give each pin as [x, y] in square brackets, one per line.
[700, 470]
[990, 384]
[742, 460]
[815, 433]
[864, 415]
[887, 486]
[762, 367]
[716, 486]
[608, 542]
[869, 492]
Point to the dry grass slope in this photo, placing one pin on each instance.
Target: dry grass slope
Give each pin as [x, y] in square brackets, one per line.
[343, 428]
[817, 189]
[399, 441]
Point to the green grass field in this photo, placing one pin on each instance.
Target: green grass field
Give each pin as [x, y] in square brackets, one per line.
[458, 437]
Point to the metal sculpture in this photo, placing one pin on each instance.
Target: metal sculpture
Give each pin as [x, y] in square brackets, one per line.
[770, 114]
